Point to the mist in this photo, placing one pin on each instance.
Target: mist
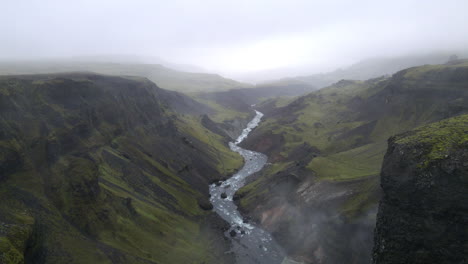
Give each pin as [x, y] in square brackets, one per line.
[233, 131]
[234, 38]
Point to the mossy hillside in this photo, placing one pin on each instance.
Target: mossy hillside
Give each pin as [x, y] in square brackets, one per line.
[347, 115]
[223, 113]
[31, 224]
[317, 116]
[250, 194]
[357, 162]
[98, 170]
[236, 103]
[442, 137]
[349, 124]
[363, 201]
[227, 161]
[350, 121]
[283, 101]
[319, 120]
[435, 71]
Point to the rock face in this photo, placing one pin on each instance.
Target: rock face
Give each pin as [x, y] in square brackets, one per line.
[106, 169]
[423, 214]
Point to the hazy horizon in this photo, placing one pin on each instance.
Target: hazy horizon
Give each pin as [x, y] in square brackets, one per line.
[233, 38]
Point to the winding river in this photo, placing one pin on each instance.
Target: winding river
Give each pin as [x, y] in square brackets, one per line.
[250, 243]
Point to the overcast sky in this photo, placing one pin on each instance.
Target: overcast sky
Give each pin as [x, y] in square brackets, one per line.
[232, 36]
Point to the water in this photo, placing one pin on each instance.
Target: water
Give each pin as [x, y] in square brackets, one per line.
[251, 244]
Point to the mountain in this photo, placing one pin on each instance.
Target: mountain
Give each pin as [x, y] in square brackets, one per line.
[113, 169]
[373, 68]
[423, 212]
[187, 82]
[134, 59]
[319, 195]
[106, 169]
[241, 99]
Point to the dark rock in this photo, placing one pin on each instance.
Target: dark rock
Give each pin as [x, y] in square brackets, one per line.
[205, 204]
[213, 127]
[11, 161]
[215, 180]
[233, 233]
[237, 196]
[126, 155]
[128, 203]
[422, 215]
[224, 195]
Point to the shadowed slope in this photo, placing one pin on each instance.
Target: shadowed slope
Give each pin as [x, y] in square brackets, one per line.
[101, 169]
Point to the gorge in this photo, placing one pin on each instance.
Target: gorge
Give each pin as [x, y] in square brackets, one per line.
[114, 169]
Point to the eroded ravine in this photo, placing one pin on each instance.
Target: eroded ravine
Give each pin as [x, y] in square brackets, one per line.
[250, 243]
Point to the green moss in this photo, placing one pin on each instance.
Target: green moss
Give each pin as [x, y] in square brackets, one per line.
[283, 101]
[422, 71]
[418, 72]
[9, 254]
[222, 113]
[227, 161]
[364, 198]
[354, 163]
[13, 244]
[441, 137]
[350, 122]
[255, 189]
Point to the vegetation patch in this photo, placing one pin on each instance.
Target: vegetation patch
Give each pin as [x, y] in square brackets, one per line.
[442, 137]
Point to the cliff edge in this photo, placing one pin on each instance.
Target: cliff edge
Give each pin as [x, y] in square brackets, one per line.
[423, 214]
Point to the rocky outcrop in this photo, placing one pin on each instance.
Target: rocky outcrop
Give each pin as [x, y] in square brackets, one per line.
[233, 127]
[423, 214]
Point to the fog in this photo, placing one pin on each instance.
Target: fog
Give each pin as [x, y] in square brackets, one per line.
[232, 37]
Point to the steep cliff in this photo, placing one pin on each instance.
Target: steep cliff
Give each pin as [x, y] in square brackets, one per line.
[423, 214]
[103, 169]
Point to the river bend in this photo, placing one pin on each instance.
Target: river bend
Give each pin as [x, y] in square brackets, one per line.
[250, 243]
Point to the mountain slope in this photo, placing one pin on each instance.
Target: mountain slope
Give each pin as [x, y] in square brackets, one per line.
[241, 99]
[166, 78]
[373, 68]
[326, 149]
[101, 169]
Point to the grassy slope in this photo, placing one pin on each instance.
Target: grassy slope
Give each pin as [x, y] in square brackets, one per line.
[239, 101]
[97, 170]
[223, 113]
[349, 122]
[442, 136]
[346, 126]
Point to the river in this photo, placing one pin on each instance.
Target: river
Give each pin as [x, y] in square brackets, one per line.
[250, 243]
